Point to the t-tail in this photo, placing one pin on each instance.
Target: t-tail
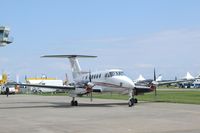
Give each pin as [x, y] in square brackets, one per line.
[75, 67]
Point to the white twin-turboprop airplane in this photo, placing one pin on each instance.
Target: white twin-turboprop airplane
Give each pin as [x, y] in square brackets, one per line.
[113, 80]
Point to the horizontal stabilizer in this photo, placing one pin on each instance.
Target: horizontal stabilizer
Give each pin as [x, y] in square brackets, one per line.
[68, 56]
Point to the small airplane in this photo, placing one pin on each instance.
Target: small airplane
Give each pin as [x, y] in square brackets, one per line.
[4, 36]
[112, 80]
[142, 81]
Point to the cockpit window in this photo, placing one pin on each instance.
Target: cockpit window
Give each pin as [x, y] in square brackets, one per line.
[111, 74]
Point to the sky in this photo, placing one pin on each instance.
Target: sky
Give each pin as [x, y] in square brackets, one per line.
[133, 35]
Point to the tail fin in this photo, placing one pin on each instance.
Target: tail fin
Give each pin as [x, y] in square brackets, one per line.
[76, 69]
[159, 78]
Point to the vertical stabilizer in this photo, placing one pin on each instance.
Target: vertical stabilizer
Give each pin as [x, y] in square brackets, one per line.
[75, 67]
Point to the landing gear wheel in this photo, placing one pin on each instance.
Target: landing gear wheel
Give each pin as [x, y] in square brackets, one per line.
[135, 100]
[74, 103]
[131, 102]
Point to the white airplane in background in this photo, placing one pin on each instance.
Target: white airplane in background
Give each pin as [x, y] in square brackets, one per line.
[188, 76]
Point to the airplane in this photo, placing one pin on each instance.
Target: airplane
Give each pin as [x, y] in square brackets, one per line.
[188, 76]
[142, 81]
[44, 80]
[4, 36]
[112, 80]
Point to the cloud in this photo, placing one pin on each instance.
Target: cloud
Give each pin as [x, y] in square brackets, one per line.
[170, 51]
[4, 60]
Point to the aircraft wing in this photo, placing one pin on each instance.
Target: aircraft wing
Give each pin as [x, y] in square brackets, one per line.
[143, 89]
[47, 86]
[171, 82]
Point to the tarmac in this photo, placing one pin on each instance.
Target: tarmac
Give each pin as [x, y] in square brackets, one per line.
[53, 114]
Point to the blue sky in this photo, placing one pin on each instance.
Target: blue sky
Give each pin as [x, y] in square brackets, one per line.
[133, 35]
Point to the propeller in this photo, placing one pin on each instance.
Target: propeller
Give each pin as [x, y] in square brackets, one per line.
[154, 79]
[90, 81]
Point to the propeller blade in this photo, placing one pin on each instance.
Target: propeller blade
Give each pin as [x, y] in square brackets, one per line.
[91, 96]
[154, 78]
[154, 74]
[90, 80]
[90, 77]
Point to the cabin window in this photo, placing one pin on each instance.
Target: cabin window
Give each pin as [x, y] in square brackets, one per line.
[106, 75]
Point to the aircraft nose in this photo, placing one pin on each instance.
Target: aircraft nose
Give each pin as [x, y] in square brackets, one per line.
[126, 82]
[130, 83]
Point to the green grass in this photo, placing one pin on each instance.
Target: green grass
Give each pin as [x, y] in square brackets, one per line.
[172, 96]
[190, 97]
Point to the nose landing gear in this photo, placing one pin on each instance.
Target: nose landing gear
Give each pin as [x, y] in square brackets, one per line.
[132, 100]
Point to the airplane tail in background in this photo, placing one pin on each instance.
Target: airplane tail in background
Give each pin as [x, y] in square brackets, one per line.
[76, 69]
[159, 78]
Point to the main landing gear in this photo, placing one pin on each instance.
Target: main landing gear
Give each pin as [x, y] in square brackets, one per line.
[74, 102]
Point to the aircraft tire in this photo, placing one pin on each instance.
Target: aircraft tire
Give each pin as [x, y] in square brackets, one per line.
[72, 103]
[131, 102]
[135, 100]
[75, 103]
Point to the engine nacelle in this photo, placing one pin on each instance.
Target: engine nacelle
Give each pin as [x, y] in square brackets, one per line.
[90, 85]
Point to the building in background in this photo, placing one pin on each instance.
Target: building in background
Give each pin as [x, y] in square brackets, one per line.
[4, 36]
[44, 80]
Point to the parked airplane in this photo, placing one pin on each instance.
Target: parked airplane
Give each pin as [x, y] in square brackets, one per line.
[113, 80]
[159, 81]
[44, 80]
[188, 76]
[142, 81]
